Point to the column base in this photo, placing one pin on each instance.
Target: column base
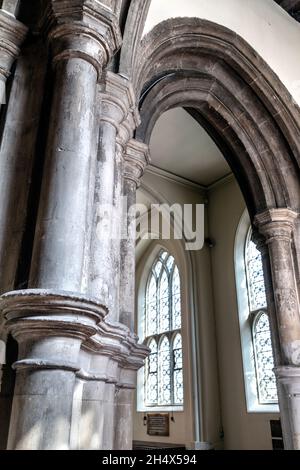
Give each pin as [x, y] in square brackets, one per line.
[200, 445]
[50, 327]
[288, 379]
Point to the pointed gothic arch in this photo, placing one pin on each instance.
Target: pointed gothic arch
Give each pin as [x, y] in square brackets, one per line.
[232, 92]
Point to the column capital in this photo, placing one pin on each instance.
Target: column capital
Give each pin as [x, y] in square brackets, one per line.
[117, 99]
[276, 224]
[289, 377]
[12, 35]
[37, 313]
[127, 128]
[82, 28]
[136, 158]
[259, 240]
[117, 342]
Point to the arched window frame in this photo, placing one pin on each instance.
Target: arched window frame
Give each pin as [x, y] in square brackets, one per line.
[171, 334]
[248, 318]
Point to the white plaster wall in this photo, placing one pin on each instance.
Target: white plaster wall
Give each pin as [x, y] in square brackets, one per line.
[262, 23]
[242, 430]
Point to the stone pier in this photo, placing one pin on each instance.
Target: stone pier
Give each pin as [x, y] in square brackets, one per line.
[72, 360]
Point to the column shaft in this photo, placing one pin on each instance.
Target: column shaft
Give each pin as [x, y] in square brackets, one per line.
[115, 101]
[58, 257]
[277, 227]
[282, 397]
[135, 160]
[16, 157]
[104, 269]
[124, 418]
[127, 287]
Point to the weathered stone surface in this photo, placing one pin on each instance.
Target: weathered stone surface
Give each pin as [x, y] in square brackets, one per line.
[50, 328]
[136, 158]
[291, 6]
[277, 226]
[78, 355]
[52, 325]
[82, 26]
[116, 99]
[288, 379]
[10, 6]
[12, 35]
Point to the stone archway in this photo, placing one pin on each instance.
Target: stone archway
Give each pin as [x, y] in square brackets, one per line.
[233, 93]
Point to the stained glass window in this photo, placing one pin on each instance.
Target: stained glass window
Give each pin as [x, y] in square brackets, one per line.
[256, 283]
[177, 371]
[152, 366]
[263, 355]
[264, 359]
[163, 371]
[164, 397]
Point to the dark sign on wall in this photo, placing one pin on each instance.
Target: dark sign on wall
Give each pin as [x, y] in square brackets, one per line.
[158, 424]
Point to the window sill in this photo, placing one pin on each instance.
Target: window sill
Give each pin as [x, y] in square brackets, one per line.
[263, 409]
[154, 409]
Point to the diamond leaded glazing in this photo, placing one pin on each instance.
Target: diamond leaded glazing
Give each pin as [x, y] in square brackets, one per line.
[177, 372]
[152, 366]
[256, 283]
[163, 371]
[264, 360]
[263, 354]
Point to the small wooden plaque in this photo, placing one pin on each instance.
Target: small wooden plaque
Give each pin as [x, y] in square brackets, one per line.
[158, 424]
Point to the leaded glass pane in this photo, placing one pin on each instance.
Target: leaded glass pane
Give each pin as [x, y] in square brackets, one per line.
[151, 308]
[170, 262]
[163, 371]
[177, 370]
[177, 343]
[151, 377]
[176, 300]
[164, 397]
[266, 381]
[164, 308]
[157, 268]
[257, 293]
[178, 387]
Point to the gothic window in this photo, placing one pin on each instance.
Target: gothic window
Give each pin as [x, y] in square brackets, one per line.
[162, 324]
[261, 335]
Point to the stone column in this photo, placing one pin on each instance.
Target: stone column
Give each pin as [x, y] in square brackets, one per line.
[97, 423]
[17, 152]
[79, 37]
[277, 227]
[136, 158]
[125, 388]
[10, 6]
[106, 357]
[115, 99]
[282, 396]
[50, 328]
[12, 35]
[48, 321]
